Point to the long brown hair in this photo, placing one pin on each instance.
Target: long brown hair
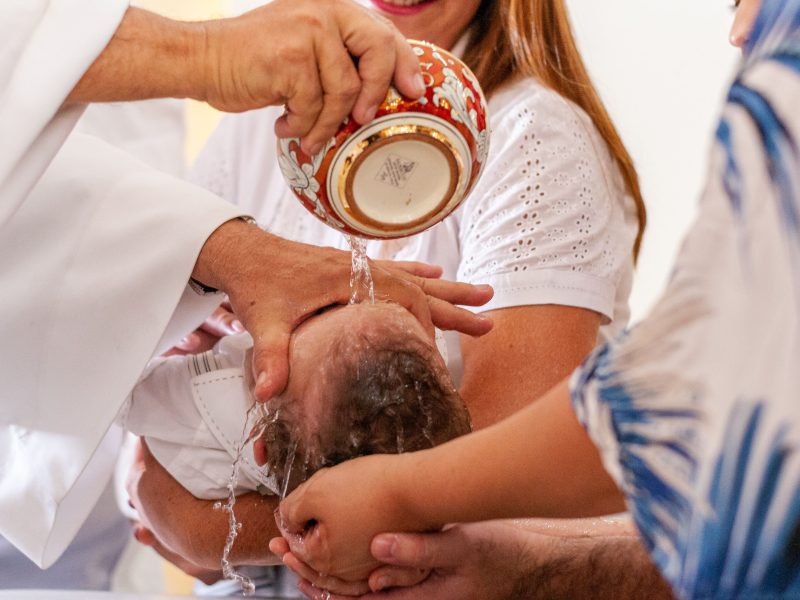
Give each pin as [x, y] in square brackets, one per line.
[534, 38]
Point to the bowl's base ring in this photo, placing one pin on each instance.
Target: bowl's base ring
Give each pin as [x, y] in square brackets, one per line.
[371, 161]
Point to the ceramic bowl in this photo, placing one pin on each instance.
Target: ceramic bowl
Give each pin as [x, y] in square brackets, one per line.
[407, 169]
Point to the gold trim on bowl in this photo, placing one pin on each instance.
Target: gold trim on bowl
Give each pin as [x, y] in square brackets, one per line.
[386, 136]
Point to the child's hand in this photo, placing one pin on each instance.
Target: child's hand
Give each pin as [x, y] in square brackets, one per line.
[330, 520]
[222, 322]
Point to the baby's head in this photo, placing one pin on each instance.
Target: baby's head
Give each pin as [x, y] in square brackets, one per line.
[364, 379]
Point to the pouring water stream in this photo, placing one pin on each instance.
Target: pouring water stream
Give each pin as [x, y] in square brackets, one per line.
[362, 289]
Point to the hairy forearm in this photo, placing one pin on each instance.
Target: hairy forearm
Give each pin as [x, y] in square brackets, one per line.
[538, 463]
[220, 263]
[591, 567]
[149, 56]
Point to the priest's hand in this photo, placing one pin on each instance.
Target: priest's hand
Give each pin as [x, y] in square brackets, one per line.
[223, 321]
[323, 59]
[301, 53]
[274, 285]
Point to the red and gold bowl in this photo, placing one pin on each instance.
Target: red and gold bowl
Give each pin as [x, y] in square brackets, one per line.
[407, 169]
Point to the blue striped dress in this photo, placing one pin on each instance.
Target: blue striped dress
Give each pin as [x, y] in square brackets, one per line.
[696, 410]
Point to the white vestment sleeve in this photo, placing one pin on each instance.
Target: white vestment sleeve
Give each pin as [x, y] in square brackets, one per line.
[45, 48]
[92, 267]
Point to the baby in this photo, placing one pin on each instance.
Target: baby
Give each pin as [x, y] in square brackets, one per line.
[364, 379]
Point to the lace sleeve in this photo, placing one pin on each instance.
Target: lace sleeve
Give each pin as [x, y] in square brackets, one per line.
[550, 221]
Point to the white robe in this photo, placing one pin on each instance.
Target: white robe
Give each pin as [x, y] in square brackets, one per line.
[95, 252]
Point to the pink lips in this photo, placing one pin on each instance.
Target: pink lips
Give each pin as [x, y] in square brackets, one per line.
[395, 9]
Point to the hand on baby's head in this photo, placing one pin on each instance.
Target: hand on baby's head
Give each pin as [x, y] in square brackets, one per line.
[382, 391]
[368, 383]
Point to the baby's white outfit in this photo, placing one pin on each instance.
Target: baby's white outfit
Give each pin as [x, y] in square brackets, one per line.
[192, 411]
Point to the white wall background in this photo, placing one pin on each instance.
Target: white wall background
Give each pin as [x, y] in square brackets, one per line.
[662, 69]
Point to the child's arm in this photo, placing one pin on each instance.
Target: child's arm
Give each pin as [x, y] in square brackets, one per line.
[540, 463]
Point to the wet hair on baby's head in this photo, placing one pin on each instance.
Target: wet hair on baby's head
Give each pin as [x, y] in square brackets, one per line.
[387, 393]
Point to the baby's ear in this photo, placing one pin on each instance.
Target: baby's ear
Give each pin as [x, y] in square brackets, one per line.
[260, 452]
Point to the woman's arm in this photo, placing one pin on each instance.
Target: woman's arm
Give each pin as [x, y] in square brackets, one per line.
[529, 350]
[538, 463]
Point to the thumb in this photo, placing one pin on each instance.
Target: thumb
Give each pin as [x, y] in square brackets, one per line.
[419, 551]
[294, 514]
[270, 360]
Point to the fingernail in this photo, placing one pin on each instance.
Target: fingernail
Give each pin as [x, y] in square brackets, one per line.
[237, 326]
[137, 534]
[314, 149]
[370, 113]
[384, 582]
[383, 548]
[485, 288]
[420, 83]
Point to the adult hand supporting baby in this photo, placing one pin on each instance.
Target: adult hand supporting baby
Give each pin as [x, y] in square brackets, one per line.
[506, 560]
[187, 527]
[146, 537]
[489, 560]
[321, 527]
[274, 285]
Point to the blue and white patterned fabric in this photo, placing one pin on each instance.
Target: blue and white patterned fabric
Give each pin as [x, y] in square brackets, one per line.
[696, 411]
